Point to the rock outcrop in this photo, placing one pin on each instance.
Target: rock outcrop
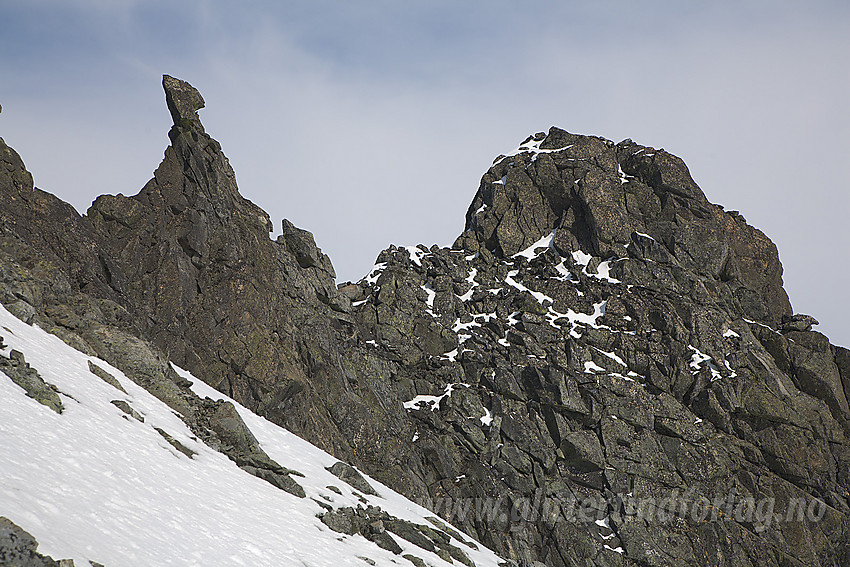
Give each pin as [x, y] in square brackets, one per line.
[600, 338]
[19, 549]
[193, 260]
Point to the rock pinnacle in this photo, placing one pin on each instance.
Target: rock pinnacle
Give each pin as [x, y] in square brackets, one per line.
[183, 101]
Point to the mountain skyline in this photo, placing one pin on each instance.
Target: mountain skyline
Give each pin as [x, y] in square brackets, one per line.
[334, 116]
[600, 334]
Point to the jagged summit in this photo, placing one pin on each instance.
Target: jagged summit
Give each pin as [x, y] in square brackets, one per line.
[617, 200]
[599, 337]
[194, 258]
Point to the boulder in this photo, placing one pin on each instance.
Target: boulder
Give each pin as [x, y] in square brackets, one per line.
[19, 549]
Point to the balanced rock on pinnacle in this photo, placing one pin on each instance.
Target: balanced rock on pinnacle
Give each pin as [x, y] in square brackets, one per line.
[183, 100]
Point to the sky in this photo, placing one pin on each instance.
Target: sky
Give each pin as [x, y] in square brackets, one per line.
[371, 123]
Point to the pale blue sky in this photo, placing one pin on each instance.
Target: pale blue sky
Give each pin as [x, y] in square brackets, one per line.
[370, 123]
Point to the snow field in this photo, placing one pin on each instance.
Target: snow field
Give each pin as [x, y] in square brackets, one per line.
[95, 484]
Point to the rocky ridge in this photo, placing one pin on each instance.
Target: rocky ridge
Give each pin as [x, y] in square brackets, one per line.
[599, 334]
[117, 478]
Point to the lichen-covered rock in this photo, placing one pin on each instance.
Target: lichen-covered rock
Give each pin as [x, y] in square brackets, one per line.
[175, 443]
[19, 549]
[20, 372]
[105, 376]
[349, 475]
[279, 479]
[128, 409]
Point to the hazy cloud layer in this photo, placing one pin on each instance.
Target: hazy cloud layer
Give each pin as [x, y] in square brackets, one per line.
[371, 123]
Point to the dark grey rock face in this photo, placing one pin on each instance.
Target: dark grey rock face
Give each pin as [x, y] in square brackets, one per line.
[643, 353]
[194, 264]
[602, 197]
[19, 549]
[618, 395]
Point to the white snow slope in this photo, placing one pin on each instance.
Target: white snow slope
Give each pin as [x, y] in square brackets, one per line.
[93, 484]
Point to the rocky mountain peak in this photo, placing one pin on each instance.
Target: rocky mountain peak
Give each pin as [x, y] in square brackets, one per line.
[195, 256]
[618, 201]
